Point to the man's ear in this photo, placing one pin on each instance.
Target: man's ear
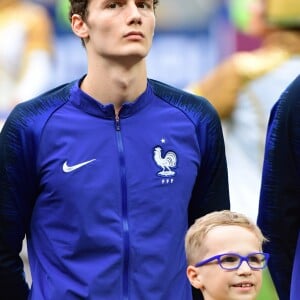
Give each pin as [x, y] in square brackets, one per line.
[194, 277]
[79, 27]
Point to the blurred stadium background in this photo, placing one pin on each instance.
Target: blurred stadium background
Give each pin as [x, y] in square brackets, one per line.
[191, 37]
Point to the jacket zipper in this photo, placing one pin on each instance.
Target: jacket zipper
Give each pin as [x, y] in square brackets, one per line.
[124, 209]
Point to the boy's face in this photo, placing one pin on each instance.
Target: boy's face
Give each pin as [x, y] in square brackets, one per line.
[219, 284]
[117, 29]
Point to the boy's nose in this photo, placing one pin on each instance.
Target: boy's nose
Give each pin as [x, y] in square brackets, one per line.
[244, 268]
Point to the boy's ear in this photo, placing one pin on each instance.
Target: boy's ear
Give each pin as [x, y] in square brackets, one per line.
[79, 27]
[194, 277]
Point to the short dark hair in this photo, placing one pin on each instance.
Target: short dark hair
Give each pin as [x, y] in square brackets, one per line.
[80, 7]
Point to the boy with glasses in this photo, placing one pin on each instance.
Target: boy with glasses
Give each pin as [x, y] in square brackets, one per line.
[224, 253]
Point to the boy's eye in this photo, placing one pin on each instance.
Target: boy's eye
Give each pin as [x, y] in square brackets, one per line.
[229, 259]
[255, 259]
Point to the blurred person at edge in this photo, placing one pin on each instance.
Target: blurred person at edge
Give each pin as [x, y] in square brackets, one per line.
[26, 53]
[279, 207]
[244, 87]
[104, 174]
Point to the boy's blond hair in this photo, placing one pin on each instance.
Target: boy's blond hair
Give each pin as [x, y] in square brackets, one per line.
[197, 232]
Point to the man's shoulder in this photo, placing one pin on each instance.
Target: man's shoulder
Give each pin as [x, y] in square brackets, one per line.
[163, 89]
[48, 100]
[289, 101]
[294, 88]
[29, 114]
[194, 106]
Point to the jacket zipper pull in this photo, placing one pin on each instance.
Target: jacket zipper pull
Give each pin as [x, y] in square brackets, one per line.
[118, 128]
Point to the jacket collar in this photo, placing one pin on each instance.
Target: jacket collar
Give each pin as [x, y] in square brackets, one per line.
[93, 107]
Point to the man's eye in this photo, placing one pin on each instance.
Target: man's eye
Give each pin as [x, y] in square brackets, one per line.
[113, 4]
[145, 4]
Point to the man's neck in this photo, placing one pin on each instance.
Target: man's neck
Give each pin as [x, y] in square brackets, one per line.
[115, 84]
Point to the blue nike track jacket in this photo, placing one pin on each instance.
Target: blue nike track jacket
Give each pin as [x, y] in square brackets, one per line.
[105, 202]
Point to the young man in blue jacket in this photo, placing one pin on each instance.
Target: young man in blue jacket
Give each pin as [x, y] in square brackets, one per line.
[103, 175]
[279, 210]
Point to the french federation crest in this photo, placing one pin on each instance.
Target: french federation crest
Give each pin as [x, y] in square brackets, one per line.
[166, 162]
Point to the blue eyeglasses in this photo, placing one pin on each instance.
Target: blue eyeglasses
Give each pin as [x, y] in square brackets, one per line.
[232, 261]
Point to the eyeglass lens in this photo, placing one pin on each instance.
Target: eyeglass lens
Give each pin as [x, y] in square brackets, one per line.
[232, 261]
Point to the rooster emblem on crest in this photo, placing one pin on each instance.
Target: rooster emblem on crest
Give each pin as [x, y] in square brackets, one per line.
[166, 163]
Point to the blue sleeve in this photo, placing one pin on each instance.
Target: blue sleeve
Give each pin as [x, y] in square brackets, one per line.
[16, 194]
[279, 209]
[210, 191]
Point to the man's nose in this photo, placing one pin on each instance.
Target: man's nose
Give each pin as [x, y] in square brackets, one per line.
[134, 15]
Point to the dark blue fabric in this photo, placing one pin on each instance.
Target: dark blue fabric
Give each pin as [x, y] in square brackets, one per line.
[279, 210]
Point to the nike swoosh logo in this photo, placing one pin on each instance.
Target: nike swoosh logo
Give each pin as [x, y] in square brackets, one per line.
[68, 169]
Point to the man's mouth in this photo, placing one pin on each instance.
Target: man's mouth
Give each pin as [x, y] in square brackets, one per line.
[134, 33]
